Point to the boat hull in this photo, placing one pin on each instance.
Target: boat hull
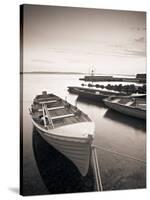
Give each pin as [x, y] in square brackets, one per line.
[76, 150]
[130, 111]
[91, 96]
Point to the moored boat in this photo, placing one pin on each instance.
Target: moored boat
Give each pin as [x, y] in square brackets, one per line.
[73, 89]
[93, 94]
[65, 127]
[132, 105]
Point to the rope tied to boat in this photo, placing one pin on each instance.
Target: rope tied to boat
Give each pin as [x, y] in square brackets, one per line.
[96, 166]
[120, 154]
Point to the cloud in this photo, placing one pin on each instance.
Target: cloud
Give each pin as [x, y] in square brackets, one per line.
[135, 53]
[141, 39]
[41, 61]
[138, 28]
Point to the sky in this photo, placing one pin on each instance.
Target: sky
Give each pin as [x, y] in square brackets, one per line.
[67, 39]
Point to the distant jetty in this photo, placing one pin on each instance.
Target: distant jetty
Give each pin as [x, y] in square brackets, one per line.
[140, 78]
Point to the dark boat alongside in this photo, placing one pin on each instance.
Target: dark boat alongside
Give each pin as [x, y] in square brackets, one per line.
[93, 94]
[132, 105]
[73, 89]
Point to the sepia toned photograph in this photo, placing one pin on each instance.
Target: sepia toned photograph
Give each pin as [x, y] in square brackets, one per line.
[82, 100]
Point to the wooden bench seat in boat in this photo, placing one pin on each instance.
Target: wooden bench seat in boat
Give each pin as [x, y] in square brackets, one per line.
[53, 108]
[50, 119]
[45, 102]
[47, 99]
[141, 106]
[115, 100]
[62, 116]
[129, 103]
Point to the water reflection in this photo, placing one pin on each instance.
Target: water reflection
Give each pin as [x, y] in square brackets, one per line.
[90, 101]
[138, 124]
[57, 172]
[47, 171]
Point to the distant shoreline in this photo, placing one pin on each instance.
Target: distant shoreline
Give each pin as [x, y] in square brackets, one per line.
[71, 73]
[80, 73]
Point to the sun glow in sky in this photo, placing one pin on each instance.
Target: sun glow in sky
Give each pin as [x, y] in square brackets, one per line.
[66, 39]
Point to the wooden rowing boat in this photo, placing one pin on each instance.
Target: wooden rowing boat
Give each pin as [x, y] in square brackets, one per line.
[65, 127]
[132, 105]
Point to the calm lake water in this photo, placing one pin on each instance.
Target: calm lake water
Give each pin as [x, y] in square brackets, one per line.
[47, 171]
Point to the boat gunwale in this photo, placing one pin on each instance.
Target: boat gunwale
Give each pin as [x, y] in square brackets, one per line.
[123, 105]
[66, 138]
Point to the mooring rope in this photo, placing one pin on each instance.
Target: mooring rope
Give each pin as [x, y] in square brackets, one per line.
[96, 164]
[96, 170]
[120, 154]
